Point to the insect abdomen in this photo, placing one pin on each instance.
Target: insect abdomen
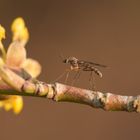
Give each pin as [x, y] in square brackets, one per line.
[97, 71]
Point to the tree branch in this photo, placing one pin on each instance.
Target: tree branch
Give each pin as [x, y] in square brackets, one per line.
[64, 93]
[96, 99]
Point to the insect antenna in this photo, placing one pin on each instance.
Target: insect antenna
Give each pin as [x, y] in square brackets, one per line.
[61, 56]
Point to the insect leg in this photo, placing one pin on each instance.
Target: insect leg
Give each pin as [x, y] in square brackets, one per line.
[91, 80]
[59, 77]
[76, 77]
[67, 75]
[64, 73]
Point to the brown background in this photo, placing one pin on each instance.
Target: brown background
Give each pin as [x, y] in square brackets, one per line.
[106, 32]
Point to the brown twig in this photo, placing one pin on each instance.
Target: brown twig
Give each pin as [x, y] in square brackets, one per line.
[64, 93]
[96, 99]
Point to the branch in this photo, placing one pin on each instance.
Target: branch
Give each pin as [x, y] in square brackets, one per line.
[64, 93]
[96, 99]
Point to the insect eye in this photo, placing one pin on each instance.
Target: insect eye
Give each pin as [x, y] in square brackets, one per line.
[65, 61]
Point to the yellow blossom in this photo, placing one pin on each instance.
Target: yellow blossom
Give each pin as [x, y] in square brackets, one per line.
[2, 33]
[14, 102]
[20, 31]
[18, 24]
[15, 57]
[2, 36]
[17, 104]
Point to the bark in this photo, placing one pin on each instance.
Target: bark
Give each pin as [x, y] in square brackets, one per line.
[17, 85]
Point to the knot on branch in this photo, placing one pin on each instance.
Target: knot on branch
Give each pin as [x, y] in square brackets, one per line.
[136, 104]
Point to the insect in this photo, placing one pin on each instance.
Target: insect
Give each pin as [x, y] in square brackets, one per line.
[76, 65]
[82, 65]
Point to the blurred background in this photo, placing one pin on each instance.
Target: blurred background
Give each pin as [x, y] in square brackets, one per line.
[106, 32]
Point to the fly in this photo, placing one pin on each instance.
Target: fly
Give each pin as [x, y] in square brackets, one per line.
[77, 65]
[81, 65]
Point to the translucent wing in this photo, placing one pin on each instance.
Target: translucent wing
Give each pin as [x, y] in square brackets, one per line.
[84, 63]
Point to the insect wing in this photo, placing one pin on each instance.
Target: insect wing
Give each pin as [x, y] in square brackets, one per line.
[82, 62]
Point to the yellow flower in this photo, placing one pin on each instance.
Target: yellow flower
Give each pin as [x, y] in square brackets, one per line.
[13, 102]
[2, 33]
[16, 58]
[19, 30]
[18, 25]
[2, 36]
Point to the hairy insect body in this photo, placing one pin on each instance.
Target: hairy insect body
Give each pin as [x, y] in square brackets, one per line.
[73, 63]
